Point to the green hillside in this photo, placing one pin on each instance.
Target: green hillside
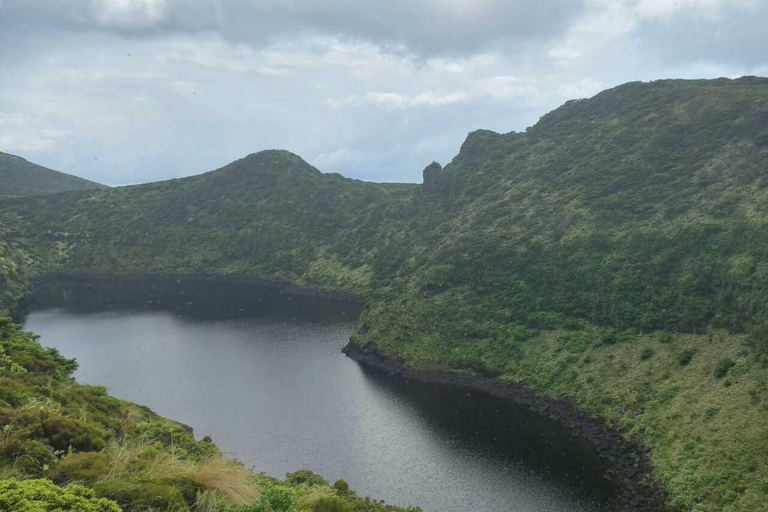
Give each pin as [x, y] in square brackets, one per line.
[16, 266]
[616, 254]
[19, 177]
[270, 214]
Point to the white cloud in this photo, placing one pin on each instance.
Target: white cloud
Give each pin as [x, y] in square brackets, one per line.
[20, 132]
[472, 64]
[130, 13]
[393, 100]
[341, 157]
[584, 88]
[209, 51]
[532, 91]
[606, 23]
[506, 87]
[645, 9]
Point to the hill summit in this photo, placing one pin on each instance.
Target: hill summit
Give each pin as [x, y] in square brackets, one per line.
[18, 177]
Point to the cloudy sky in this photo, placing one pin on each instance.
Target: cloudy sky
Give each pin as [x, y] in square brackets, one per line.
[129, 91]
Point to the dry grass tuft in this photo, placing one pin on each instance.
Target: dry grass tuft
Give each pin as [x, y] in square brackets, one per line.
[228, 478]
[221, 481]
[306, 497]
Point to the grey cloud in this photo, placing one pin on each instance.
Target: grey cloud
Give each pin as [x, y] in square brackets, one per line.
[428, 27]
[736, 37]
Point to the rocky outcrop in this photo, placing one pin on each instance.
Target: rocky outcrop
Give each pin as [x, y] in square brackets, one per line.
[435, 181]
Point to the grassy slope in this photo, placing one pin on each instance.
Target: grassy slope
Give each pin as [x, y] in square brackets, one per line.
[547, 257]
[19, 177]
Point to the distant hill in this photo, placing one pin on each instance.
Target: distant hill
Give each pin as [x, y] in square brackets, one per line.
[270, 214]
[18, 177]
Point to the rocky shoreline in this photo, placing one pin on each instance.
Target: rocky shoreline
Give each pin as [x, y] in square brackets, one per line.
[631, 470]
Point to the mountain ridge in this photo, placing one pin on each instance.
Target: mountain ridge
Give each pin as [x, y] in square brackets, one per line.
[19, 177]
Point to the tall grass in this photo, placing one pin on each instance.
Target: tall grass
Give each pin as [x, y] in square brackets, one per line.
[208, 484]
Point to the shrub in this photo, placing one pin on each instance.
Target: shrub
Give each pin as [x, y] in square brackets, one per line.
[520, 333]
[305, 476]
[44, 496]
[609, 337]
[275, 499]
[45, 419]
[722, 367]
[64, 432]
[341, 485]
[30, 456]
[13, 393]
[741, 368]
[685, 357]
[711, 412]
[330, 504]
[22, 350]
[647, 353]
[81, 467]
[574, 342]
[142, 495]
[171, 434]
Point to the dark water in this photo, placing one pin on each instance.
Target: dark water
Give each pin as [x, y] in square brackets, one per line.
[262, 373]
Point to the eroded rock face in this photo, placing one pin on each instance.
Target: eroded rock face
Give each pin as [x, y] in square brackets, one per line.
[434, 180]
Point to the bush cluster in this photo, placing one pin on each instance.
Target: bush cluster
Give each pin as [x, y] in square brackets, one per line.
[43, 496]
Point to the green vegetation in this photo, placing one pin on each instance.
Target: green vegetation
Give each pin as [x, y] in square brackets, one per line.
[16, 266]
[19, 177]
[66, 446]
[615, 253]
[257, 217]
[43, 496]
[708, 440]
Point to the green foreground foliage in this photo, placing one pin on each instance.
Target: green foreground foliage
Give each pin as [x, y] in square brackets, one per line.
[70, 447]
[615, 253]
[44, 496]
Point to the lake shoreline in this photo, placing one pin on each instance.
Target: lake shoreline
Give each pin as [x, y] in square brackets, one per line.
[282, 287]
[631, 468]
